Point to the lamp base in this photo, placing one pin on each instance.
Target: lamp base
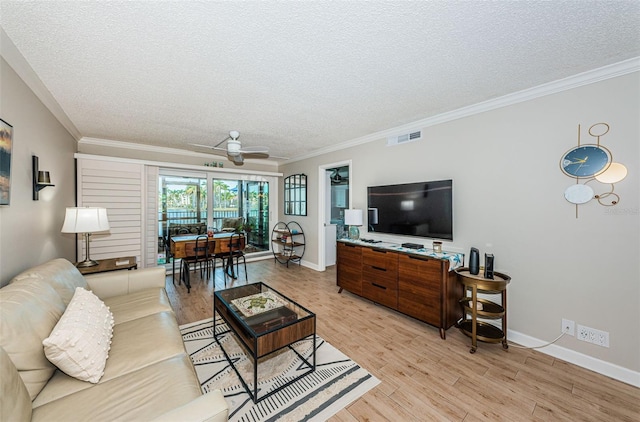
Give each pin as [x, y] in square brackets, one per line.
[86, 263]
[354, 233]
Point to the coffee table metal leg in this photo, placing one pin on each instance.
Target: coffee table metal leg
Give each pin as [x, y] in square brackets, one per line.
[253, 393]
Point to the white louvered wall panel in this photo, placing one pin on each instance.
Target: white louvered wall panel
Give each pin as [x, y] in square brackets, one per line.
[118, 187]
[151, 238]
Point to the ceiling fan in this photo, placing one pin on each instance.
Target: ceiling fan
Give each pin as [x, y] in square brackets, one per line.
[234, 149]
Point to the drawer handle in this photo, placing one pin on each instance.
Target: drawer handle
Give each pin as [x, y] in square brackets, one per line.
[419, 258]
[378, 268]
[379, 286]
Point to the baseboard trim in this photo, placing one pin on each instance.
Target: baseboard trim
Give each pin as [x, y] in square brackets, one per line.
[596, 365]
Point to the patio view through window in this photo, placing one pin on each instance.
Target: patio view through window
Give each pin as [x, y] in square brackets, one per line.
[184, 207]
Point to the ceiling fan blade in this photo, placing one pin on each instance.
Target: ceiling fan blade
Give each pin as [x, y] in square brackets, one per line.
[209, 147]
[202, 146]
[255, 150]
[255, 155]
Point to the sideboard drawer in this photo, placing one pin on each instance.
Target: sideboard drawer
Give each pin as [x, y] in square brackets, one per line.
[380, 276]
[386, 260]
[380, 293]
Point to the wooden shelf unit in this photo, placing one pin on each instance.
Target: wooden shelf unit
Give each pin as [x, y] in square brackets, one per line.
[474, 308]
[287, 242]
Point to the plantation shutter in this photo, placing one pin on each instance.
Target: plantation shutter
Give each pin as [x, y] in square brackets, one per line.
[151, 239]
[118, 187]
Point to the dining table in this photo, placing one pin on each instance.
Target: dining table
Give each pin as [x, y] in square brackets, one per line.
[179, 246]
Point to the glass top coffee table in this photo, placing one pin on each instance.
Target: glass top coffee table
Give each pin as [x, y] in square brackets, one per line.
[264, 321]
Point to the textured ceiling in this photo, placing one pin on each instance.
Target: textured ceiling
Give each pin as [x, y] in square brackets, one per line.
[301, 76]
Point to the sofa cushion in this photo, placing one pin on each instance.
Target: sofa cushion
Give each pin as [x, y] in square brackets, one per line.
[135, 345]
[80, 342]
[138, 396]
[143, 341]
[29, 309]
[186, 228]
[15, 403]
[232, 223]
[139, 304]
[61, 274]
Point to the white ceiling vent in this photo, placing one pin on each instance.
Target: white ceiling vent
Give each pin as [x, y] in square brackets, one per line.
[404, 138]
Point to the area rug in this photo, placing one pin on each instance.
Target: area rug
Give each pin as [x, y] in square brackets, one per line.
[336, 382]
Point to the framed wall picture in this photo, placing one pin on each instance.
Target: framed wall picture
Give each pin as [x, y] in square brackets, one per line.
[6, 141]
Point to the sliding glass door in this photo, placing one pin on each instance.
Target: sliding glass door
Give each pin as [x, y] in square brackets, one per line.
[248, 200]
[197, 201]
[257, 215]
[182, 203]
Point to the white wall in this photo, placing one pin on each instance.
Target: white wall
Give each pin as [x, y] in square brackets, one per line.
[30, 230]
[508, 192]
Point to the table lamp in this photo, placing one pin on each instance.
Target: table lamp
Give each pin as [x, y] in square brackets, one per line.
[85, 220]
[353, 218]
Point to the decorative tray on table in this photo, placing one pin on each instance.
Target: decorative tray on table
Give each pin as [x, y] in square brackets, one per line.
[258, 303]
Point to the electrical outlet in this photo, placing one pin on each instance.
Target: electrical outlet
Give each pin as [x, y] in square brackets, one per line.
[568, 327]
[591, 335]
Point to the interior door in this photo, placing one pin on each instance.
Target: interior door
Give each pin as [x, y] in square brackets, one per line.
[330, 229]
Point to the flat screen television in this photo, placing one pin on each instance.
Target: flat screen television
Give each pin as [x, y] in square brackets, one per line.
[423, 209]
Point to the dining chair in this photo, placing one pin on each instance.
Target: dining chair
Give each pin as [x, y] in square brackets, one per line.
[213, 257]
[169, 255]
[197, 254]
[236, 251]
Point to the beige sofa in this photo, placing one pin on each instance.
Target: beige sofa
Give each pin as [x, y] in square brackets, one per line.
[148, 375]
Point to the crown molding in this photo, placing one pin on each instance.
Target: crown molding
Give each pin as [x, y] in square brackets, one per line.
[19, 64]
[163, 150]
[167, 164]
[585, 78]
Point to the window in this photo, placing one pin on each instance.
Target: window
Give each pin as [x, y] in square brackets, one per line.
[295, 195]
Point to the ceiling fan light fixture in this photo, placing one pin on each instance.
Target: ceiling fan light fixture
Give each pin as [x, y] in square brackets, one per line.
[233, 147]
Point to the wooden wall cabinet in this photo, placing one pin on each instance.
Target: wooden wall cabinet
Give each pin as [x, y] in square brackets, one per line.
[419, 286]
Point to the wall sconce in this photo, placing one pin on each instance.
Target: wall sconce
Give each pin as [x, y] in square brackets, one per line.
[41, 179]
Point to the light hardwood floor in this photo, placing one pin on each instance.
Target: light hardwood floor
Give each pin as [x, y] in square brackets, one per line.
[422, 377]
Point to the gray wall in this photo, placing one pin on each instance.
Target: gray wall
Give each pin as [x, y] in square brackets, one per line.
[508, 193]
[30, 230]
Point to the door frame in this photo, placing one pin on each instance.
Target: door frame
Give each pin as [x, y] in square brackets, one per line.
[322, 201]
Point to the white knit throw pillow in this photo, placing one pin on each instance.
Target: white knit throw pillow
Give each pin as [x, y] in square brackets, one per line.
[79, 343]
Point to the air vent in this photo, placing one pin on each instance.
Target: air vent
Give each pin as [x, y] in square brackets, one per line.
[404, 138]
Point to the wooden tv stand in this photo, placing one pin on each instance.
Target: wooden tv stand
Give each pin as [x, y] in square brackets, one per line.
[409, 282]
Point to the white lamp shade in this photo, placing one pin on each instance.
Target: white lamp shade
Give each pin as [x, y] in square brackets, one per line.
[615, 173]
[407, 205]
[353, 217]
[85, 220]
